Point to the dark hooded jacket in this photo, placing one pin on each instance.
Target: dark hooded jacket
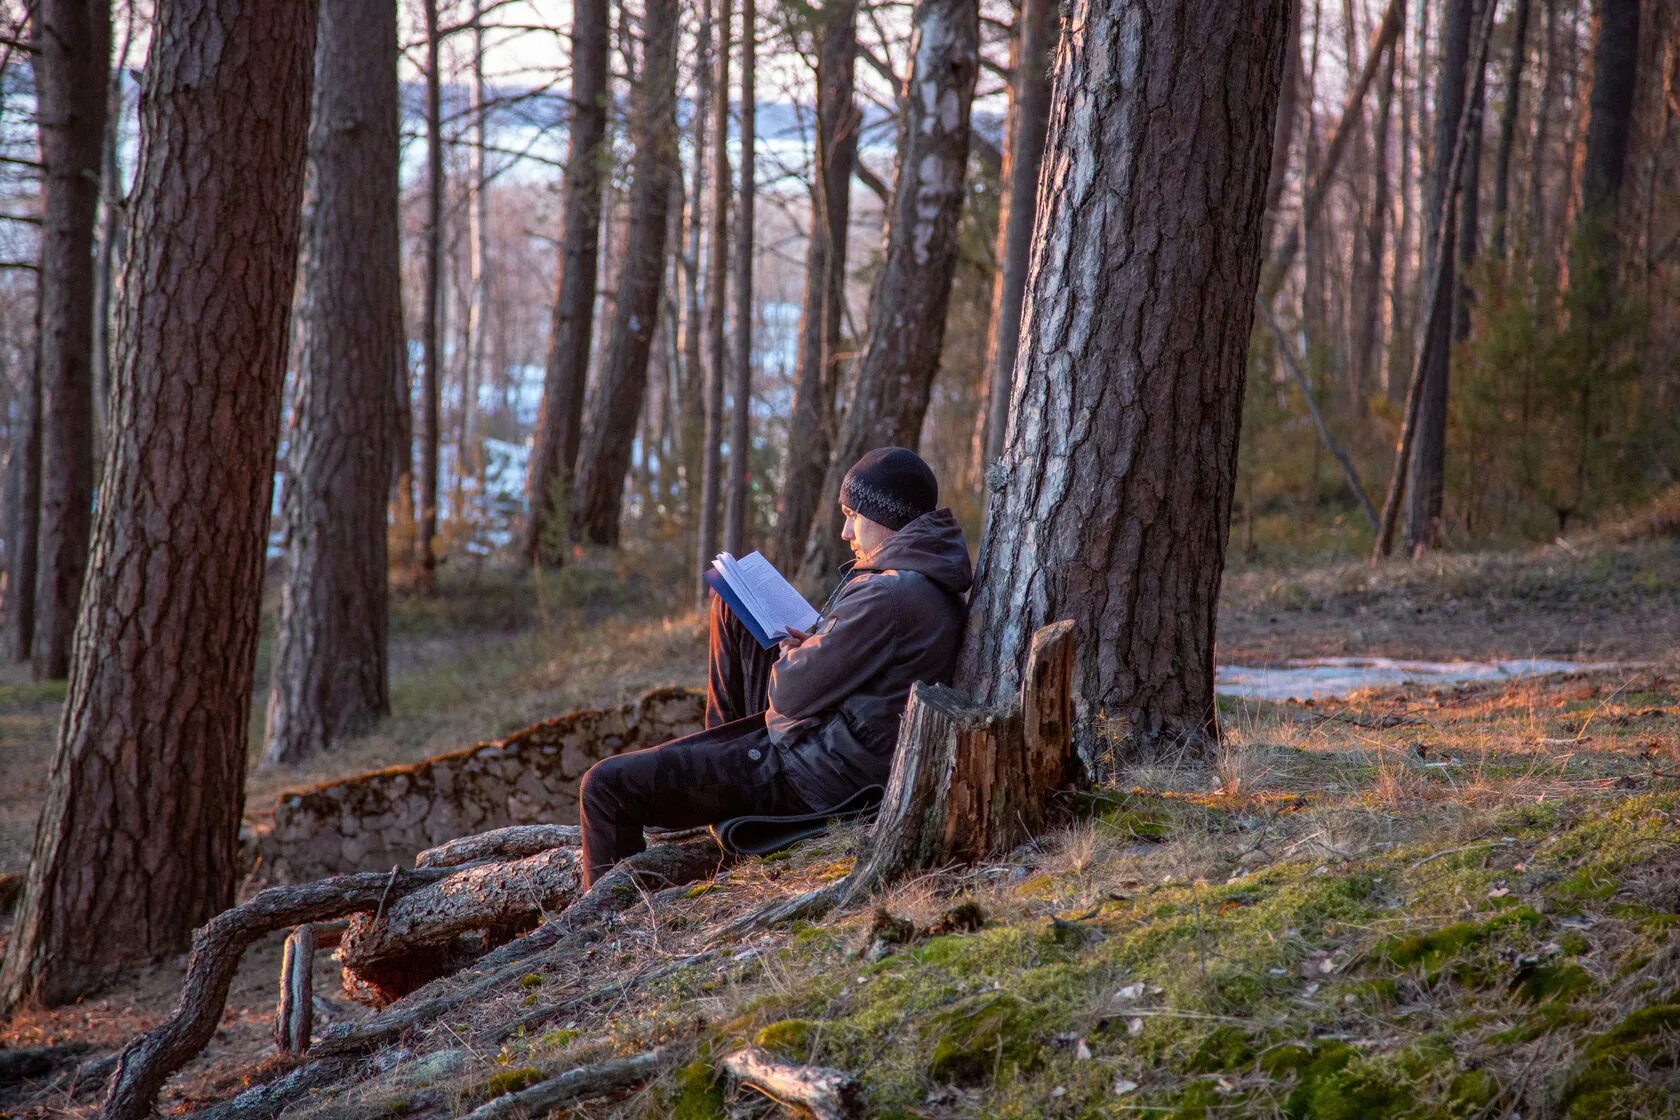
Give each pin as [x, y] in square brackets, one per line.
[835, 702]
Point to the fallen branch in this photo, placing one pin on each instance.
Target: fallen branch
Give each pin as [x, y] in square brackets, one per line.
[576, 1085]
[386, 957]
[514, 842]
[266, 1101]
[828, 1094]
[146, 1063]
[294, 1019]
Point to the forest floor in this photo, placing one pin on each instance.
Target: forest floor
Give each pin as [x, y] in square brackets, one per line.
[1407, 901]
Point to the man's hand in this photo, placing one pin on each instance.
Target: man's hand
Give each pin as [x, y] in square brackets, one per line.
[794, 639]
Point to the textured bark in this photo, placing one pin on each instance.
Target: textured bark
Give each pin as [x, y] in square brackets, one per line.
[717, 280]
[1600, 171]
[330, 679]
[431, 326]
[818, 360]
[1031, 49]
[294, 1015]
[911, 296]
[1468, 226]
[1508, 127]
[72, 41]
[737, 510]
[1283, 134]
[555, 449]
[1428, 457]
[25, 533]
[138, 839]
[604, 457]
[514, 842]
[408, 943]
[146, 1062]
[1122, 449]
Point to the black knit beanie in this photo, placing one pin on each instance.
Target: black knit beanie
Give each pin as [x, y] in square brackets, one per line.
[891, 486]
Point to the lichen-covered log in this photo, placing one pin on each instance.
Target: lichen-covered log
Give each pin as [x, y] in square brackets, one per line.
[414, 940]
[827, 1094]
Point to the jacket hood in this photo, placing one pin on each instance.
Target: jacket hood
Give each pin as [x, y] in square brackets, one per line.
[933, 545]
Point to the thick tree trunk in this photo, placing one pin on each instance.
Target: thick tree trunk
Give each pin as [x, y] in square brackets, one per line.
[1032, 48]
[817, 372]
[912, 294]
[431, 325]
[1508, 127]
[72, 41]
[604, 457]
[717, 280]
[1122, 453]
[329, 679]
[737, 511]
[1428, 457]
[1603, 157]
[555, 451]
[138, 839]
[26, 532]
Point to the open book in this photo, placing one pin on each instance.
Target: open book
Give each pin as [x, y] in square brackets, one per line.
[760, 597]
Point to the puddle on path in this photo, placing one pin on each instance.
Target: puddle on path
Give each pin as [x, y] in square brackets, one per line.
[1319, 678]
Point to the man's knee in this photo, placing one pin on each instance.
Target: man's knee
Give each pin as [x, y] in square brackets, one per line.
[601, 792]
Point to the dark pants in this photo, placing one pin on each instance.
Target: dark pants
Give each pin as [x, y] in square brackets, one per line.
[728, 770]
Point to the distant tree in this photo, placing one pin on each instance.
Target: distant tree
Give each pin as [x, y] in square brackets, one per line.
[604, 457]
[740, 432]
[1428, 458]
[817, 361]
[1603, 153]
[555, 451]
[717, 280]
[138, 839]
[329, 677]
[1030, 50]
[72, 44]
[913, 291]
[431, 326]
[1121, 458]
[24, 531]
[1508, 126]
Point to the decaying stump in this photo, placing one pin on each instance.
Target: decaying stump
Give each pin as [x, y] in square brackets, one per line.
[967, 781]
[444, 927]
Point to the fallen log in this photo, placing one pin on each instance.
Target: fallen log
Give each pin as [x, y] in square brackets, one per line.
[35, 1062]
[514, 842]
[146, 1062]
[827, 1094]
[415, 940]
[576, 1085]
[612, 893]
[270, 1099]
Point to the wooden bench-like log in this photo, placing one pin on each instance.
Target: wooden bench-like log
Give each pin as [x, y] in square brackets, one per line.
[387, 955]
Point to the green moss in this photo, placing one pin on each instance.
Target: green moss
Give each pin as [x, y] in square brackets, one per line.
[1224, 1048]
[530, 980]
[1445, 951]
[1471, 1093]
[980, 1036]
[789, 1038]
[554, 1040]
[1556, 981]
[697, 1095]
[1603, 1082]
[1341, 1087]
[508, 1081]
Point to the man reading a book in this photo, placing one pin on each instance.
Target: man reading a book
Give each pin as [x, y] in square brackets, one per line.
[805, 726]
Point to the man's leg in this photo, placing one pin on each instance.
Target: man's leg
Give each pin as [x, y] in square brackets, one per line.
[738, 673]
[699, 779]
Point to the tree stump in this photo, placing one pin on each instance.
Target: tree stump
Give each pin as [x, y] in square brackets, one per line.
[294, 1019]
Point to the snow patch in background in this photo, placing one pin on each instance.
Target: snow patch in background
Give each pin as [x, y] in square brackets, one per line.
[1320, 678]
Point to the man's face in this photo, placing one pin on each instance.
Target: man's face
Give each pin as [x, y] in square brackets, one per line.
[864, 535]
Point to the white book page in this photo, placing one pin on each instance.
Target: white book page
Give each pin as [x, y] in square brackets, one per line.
[777, 603]
[730, 569]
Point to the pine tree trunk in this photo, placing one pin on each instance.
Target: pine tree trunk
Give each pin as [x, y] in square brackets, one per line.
[72, 40]
[554, 455]
[1368, 348]
[1122, 454]
[138, 838]
[908, 307]
[691, 401]
[1469, 207]
[26, 532]
[1603, 156]
[604, 457]
[717, 280]
[1428, 457]
[1508, 128]
[737, 512]
[817, 374]
[330, 678]
[431, 319]
[1032, 48]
